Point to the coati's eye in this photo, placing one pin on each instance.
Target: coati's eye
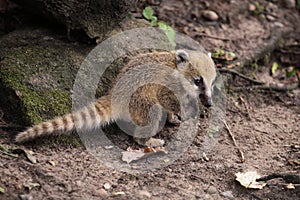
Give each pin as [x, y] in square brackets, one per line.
[198, 81]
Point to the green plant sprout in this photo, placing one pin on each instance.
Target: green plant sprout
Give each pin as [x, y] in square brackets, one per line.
[290, 72]
[274, 68]
[169, 31]
[224, 55]
[212, 130]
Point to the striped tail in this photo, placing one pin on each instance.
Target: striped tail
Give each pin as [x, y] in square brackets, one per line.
[90, 117]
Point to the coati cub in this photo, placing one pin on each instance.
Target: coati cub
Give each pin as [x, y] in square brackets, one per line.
[191, 73]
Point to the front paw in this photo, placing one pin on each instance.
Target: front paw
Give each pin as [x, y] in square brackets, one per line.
[150, 142]
[153, 142]
[174, 118]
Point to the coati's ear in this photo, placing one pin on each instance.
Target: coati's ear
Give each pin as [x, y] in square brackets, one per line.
[181, 58]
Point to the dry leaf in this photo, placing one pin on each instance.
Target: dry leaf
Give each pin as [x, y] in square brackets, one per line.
[2, 190]
[29, 186]
[149, 150]
[290, 186]
[129, 156]
[26, 153]
[133, 155]
[7, 151]
[248, 180]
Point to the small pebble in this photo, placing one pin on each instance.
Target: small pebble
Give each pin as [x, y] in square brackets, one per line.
[289, 3]
[270, 18]
[118, 193]
[205, 157]
[212, 190]
[107, 186]
[79, 183]
[108, 147]
[101, 193]
[210, 15]
[251, 7]
[26, 197]
[228, 194]
[278, 24]
[144, 194]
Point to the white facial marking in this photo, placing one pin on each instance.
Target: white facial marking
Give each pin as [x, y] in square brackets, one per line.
[208, 93]
[176, 73]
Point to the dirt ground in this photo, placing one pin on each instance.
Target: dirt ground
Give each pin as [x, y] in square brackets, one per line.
[265, 123]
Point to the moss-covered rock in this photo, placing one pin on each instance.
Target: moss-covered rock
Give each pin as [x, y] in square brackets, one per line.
[94, 17]
[37, 71]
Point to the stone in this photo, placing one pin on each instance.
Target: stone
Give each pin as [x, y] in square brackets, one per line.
[144, 194]
[212, 190]
[228, 194]
[101, 193]
[210, 15]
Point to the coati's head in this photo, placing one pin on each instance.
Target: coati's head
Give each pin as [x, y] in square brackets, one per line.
[197, 71]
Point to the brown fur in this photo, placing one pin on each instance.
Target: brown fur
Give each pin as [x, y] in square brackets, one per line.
[100, 112]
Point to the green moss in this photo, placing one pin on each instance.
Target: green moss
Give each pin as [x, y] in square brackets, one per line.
[36, 83]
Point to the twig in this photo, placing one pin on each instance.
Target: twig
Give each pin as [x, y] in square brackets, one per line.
[289, 178]
[270, 46]
[234, 141]
[246, 106]
[270, 87]
[7, 152]
[212, 36]
[288, 52]
[230, 71]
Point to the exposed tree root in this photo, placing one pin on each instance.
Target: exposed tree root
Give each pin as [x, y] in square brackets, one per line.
[270, 87]
[259, 85]
[235, 73]
[234, 141]
[289, 178]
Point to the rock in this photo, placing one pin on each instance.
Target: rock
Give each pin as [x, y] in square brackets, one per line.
[228, 194]
[144, 194]
[270, 18]
[37, 75]
[79, 183]
[99, 17]
[289, 3]
[212, 190]
[107, 186]
[210, 15]
[207, 197]
[119, 193]
[26, 197]
[278, 24]
[101, 193]
[251, 7]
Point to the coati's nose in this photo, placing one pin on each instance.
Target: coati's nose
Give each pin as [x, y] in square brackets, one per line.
[209, 103]
[206, 101]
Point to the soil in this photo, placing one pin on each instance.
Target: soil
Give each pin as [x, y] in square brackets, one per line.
[265, 123]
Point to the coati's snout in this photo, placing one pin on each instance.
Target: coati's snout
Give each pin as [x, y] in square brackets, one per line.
[206, 100]
[199, 71]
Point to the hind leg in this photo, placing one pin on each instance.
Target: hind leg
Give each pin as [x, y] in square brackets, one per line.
[143, 135]
[149, 142]
[173, 118]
